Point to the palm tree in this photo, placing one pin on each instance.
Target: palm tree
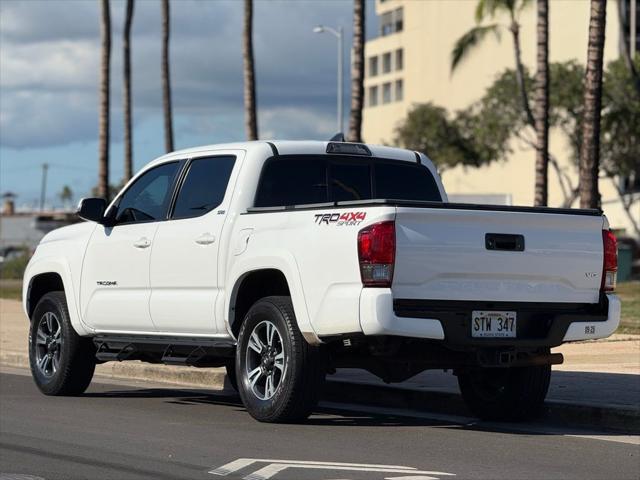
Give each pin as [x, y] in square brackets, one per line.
[542, 106]
[166, 80]
[103, 120]
[590, 149]
[126, 91]
[467, 42]
[66, 195]
[250, 118]
[357, 72]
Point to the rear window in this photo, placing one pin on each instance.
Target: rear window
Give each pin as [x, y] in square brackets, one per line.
[307, 179]
[292, 181]
[400, 181]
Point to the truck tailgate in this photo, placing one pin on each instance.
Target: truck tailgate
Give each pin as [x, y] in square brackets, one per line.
[459, 254]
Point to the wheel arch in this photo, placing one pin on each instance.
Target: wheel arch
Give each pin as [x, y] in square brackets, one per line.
[47, 276]
[265, 280]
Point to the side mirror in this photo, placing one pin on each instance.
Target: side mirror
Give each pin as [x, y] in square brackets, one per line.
[92, 209]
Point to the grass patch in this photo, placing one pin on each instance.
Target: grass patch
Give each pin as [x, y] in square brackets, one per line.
[11, 289]
[629, 293]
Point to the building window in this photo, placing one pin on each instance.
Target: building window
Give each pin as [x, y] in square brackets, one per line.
[399, 59]
[386, 93]
[386, 24]
[373, 66]
[630, 37]
[373, 96]
[391, 22]
[398, 20]
[386, 63]
[399, 90]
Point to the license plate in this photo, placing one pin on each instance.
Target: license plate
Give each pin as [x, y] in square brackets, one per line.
[494, 324]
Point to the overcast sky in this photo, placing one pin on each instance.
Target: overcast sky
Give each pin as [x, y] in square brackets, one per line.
[49, 73]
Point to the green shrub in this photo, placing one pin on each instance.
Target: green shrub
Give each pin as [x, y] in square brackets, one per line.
[14, 268]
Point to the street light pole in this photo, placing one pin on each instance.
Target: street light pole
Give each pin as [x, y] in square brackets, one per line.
[339, 34]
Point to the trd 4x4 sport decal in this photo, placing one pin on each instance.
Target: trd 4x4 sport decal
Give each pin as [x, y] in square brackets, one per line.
[348, 218]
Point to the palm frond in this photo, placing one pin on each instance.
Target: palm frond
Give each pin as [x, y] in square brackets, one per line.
[488, 8]
[470, 40]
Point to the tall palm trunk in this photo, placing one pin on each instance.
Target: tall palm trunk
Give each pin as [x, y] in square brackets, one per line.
[166, 79]
[590, 149]
[250, 117]
[357, 72]
[126, 91]
[515, 32]
[542, 106]
[103, 121]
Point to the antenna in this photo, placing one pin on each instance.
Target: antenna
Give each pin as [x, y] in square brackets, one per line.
[338, 137]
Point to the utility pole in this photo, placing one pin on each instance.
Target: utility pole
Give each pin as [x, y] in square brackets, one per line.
[43, 188]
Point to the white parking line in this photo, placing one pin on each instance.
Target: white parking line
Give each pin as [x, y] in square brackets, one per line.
[274, 467]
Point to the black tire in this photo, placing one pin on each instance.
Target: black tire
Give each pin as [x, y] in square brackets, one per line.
[505, 394]
[75, 355]
[302, 376]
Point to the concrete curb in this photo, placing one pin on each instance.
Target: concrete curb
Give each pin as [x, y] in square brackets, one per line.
[563, 413]
[213, 378]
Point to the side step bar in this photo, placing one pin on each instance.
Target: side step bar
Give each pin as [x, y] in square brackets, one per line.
[192, 351]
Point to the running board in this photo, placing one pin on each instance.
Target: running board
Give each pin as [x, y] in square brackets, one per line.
[192, 351]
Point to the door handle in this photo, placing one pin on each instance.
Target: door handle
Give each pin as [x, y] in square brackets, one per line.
[205, 239]
[143, 242]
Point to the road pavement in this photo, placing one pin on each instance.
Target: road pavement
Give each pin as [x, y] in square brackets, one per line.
[132, 431]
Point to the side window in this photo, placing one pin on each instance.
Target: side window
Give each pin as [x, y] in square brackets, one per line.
[294, 181]
[148, 198]
[204, 186]
[350, 182]
[405, 182]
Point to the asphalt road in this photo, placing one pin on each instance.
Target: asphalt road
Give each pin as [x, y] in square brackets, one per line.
[125, 432]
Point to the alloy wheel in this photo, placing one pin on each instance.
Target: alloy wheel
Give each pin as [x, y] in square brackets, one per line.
[266, 361]
[48, 344]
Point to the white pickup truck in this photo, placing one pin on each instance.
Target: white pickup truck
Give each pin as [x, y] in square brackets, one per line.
[286, 260]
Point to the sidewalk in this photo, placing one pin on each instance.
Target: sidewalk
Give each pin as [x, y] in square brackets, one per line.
[598, 378]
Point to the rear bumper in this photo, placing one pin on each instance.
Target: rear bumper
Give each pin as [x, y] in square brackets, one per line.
[539, 324]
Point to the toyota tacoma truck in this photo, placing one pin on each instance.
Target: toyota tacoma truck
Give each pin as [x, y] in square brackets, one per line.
[285, 260]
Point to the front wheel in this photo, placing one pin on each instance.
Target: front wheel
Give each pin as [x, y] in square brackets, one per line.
[62, 362]
[506, 394]
[279, 374]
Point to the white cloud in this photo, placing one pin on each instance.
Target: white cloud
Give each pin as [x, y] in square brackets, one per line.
[51, 51]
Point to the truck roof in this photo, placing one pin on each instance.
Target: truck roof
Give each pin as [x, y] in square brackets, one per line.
[300, 147]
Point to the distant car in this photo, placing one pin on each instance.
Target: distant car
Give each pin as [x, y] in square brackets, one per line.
[285, 260]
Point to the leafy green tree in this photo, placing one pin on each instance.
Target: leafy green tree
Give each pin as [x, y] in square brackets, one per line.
[447, 141]
[499, 117]
[484, 132]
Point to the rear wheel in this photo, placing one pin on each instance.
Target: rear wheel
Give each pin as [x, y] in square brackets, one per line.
[507, 394]
[279, 374]
[62, 362]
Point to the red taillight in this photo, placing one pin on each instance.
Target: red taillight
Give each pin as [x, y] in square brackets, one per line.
[610, 263]
[377, 254]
